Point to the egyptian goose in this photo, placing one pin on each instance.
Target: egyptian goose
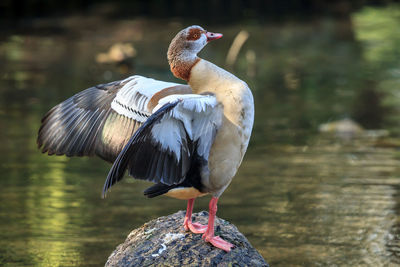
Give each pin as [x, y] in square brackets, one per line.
[187, 139]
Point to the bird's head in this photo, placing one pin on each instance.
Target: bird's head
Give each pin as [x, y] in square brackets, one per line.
[182, 52]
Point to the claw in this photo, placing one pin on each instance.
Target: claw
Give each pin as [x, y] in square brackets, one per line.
[206, 230]
[218, 242]
[196, 228]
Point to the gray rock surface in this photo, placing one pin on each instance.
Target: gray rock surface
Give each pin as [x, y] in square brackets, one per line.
[164, 242]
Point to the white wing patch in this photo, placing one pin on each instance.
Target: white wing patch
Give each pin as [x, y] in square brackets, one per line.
[168, 133]
[200, 116]
[132, 99]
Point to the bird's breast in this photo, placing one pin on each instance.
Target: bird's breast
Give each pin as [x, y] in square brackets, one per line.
[233, 136]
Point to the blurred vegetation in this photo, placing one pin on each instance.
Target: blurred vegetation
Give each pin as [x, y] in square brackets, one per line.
[212, 11]
[379, 34]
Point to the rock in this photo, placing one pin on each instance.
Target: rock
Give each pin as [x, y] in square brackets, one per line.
[118, 52]
[348, 129]
[164, 242]
[345, 127]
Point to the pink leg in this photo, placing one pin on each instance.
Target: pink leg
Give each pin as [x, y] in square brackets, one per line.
[209, 234]
[196, 228]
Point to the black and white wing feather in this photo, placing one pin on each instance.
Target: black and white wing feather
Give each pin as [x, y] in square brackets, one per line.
[182, 128]
[99, 120]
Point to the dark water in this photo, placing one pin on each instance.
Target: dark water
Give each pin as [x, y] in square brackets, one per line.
[302, 198]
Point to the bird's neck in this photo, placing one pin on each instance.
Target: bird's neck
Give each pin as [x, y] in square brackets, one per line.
[208, 77]
[181, 63]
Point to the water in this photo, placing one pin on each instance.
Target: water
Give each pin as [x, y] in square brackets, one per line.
[302, 198]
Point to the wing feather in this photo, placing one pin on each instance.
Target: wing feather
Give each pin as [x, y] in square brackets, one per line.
[100, 120]
[164, 148]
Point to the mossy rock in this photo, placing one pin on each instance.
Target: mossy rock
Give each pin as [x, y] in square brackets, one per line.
[163, 242]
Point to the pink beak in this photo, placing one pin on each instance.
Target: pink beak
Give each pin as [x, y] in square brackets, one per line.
[213, 36]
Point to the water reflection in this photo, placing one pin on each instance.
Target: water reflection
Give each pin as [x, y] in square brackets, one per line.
[47, 201]
[301, 198]
[327, 203]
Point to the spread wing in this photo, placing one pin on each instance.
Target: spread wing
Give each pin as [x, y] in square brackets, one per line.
[100, 120]
[182, 130]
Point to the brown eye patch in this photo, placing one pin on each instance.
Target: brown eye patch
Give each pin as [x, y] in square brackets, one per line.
[194, 34]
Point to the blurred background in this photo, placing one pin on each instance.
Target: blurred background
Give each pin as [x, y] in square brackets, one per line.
[320, 182]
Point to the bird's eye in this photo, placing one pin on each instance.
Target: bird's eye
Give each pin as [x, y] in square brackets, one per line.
[194, 34]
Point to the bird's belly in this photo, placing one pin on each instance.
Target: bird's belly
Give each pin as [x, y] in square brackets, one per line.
[184, 193]
[225, 156]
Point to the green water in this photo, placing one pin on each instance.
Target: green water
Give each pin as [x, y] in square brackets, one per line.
[300, 197]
